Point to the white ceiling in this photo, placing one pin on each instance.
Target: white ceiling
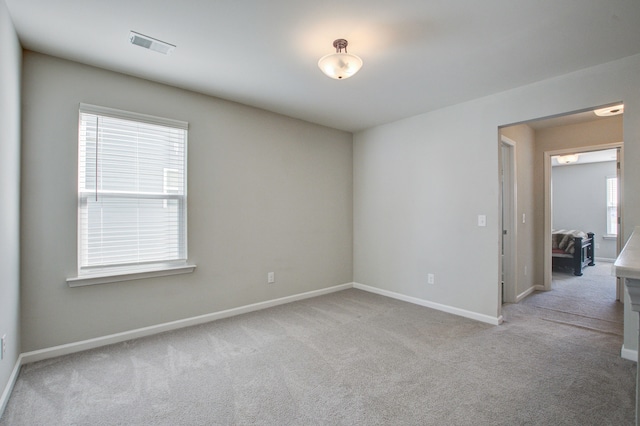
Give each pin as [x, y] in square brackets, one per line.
[419, 55]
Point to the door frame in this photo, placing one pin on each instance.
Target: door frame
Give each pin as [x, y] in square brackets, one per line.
[548, 208]
[508, 220]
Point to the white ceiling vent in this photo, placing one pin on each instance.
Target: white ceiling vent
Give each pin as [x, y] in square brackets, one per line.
[150, 43]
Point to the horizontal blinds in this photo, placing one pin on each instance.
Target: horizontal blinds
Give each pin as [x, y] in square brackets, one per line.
[612, 192]
[132, 189]
[612, 205]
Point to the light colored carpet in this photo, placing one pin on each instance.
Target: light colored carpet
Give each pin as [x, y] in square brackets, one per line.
[354, 358]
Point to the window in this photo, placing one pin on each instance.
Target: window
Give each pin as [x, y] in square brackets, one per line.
[132, 194]
[612, 206]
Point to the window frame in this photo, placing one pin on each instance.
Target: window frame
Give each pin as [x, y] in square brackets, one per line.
[89, 275]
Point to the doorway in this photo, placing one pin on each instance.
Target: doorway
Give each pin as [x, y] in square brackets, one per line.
[604, 192]
[529, 258]
[508, 255]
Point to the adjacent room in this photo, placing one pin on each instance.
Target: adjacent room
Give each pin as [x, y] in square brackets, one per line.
[294, 213]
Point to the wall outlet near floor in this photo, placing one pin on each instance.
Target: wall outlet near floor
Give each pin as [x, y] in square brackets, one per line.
[3, 346]
[271, 277]
[431, 279]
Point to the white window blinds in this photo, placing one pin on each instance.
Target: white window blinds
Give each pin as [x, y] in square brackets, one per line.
[131, 190]
[612, 205]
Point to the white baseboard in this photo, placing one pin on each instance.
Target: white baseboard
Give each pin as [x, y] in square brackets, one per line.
[528, 292]
[6, 394]
[444, 308]
[629, 354]
[97, 342]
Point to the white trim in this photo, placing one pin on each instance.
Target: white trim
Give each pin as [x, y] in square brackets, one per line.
[528, 292]
[444, 308]
[604, 259]
[630, 354]
[129, 276]
[6, 394]
[136, 116]
[509, 262]
[97, 342]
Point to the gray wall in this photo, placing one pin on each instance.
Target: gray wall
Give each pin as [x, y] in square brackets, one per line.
[266, 193]
[272, 193]
[10, 62]
[420, 183]
[579, 201]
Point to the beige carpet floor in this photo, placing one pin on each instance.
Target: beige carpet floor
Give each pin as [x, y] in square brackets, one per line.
[354, 358]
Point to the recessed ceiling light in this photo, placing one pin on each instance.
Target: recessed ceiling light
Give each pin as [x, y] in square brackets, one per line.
[609, 111]
[150, 43]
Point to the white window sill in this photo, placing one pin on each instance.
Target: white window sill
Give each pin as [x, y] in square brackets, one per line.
[114, 277]
[609, 237]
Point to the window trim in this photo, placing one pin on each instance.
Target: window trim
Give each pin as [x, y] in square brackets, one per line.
[119, 273]
[158, 270]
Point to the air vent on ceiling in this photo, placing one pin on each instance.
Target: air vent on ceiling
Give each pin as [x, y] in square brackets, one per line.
[150, 43]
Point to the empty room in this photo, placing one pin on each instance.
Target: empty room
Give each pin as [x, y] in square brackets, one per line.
[297, 212]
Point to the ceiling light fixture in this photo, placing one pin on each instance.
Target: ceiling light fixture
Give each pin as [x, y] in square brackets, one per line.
[150, 43]
[609, 111]
[567, 159]
[340, 65]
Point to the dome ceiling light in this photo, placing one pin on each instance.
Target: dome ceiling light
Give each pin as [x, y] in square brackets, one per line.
[567, 159]
[609, 111]
[340, 65]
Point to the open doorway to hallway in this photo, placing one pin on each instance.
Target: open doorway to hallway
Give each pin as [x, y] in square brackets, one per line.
[535, 142]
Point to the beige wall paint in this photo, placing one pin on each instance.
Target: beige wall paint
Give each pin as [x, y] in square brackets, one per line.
[266, 193]
[420, 183]
[10, 63]
[527, 274]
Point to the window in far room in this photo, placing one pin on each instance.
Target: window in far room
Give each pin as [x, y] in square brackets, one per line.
[612, 206]
[132, 196]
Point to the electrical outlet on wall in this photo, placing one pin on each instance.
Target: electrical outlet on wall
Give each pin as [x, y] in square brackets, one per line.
[271, 277]
[431, 279]
[3, 346]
